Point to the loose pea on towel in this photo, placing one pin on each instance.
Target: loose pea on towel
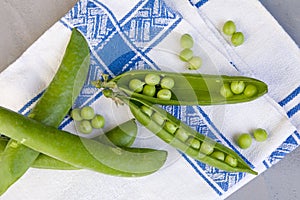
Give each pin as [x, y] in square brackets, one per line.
[145, 34]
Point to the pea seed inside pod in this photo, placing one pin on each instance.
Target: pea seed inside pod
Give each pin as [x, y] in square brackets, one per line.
[136, 85]
[206, 148]
[164, 94]
[152, 79]
[181, 134]
[218, 155]
[194, 143]
[250, 90]
[237, 87]
[159, 119]
[225, 91]
[148, 111]
[167, 83]
[231, 161]
[170, 127]
[149, 90]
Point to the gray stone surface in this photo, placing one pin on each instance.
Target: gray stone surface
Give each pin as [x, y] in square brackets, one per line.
[22, 22]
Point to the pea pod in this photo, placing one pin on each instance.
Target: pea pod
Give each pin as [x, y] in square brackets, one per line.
[79, 152]
[122, 136]
[192, 89]
[52, 107]
[184, 138]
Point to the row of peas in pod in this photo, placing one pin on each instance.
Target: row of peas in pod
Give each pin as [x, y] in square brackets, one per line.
[203, 147]
[153, 85]
[238, 87]
[86, 119]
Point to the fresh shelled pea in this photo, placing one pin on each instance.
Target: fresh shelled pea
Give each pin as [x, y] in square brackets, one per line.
[244, 140]
[194, 63]
[186, 41]
[260, 135]
[237, 38]
[186, 55]
[86, 119]
[229, 27]
[184, 138]
[192, 88]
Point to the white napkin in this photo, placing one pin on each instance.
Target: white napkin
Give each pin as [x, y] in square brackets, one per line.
[145, 34]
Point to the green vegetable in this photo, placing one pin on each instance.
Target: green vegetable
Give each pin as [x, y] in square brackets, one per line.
[191, 88]
[98, 121]
[79, 152]
[51, 109]
[85, 127]
[237, 38]
[164, 94]
[75, 114]
[250, 90]
[167, 83]
[218, 155]
[229, 28]
[186, 41]
[237, 87]
[260, 135]
[191, 148]
[152, 79]
[122, 135]
[225, 91]
[149, 90]
[87, 113]
[136, 85]
[194, 63]
[186, 54]
[244, 140]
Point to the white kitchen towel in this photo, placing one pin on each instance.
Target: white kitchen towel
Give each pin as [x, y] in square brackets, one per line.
[138, 34]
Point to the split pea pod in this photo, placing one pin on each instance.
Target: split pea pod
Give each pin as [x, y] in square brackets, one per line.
[51, 108]
[122, 135]
[184, 138]
[79, 152]
[192, 89]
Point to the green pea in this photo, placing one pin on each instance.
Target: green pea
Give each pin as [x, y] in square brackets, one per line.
[186, 55]
[229, 28]
[181, 135]
[152, 79]
[148, 111]
[237, 38]
[136, 85]
[260, 135]
[85, 127]
[194, 143]
[149, 90]
[206, 148]
[186, 41]
[195, 63]
[160, 120]
[164, 94]
[250, 90]
[218, 155]
[167, 83]
[225, 91]
[87, 113]
[170, 127]
[231, 161]
[75, 114]
[98, 121]
[237, 87]
[107, 93]
[244, 140]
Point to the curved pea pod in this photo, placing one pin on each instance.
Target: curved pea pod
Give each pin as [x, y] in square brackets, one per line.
[122, 135]
[184, 138]
[51, 108]
[76, 151]
[192, 89]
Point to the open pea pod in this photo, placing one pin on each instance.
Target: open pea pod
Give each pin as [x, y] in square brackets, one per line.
[193, 89]
[184, 138]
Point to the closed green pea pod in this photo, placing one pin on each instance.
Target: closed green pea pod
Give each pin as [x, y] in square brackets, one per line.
[193, 89]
